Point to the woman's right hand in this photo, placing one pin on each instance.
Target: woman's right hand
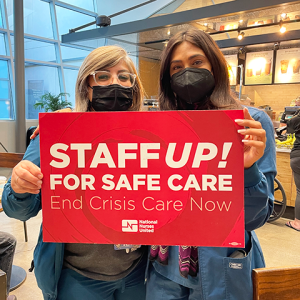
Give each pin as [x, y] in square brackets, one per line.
[37, 130]
[254, 139]
[26, 178]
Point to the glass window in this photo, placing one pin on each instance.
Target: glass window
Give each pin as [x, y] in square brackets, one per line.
[4, 89]
[93, 44]
[70, 81]
[10, 13]
[1, 19]
[84, 4]
[37, 17]
[2, 45]
[37, 50]
[5, 93]
[3, 69]
[73, 56]
[68, 19]
[38, 81]
[5, 109]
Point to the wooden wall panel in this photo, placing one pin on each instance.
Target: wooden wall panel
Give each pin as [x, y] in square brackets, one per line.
[277, 96]
[149, 74]
[285, 176]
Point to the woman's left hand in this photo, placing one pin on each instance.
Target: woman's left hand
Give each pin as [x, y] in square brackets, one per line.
[254, 139]
[37, 130]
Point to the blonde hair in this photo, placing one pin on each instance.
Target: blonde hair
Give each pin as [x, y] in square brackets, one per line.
[100, 58]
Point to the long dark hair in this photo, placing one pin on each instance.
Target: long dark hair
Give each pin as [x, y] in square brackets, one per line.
[221, 97]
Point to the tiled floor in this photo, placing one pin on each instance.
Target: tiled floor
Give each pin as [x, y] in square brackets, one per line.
[280, 245]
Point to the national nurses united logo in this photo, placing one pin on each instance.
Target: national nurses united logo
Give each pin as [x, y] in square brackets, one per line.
[129, 225]
[147, 226]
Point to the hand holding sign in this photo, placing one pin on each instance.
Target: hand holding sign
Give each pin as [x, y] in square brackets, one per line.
[26, 178]
[37, 130]
[254, 141]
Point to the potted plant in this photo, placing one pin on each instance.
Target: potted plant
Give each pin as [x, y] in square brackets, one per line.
[50, 102]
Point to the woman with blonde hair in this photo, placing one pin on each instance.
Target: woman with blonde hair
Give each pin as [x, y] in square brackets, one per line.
[107, 81]
[103, 59]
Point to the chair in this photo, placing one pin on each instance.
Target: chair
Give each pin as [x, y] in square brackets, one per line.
[282, 283]
[18, 275]
[10, 160]
[2, 285]
[29, 132]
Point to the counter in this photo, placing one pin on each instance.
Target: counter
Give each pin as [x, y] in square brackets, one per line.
[285, 175]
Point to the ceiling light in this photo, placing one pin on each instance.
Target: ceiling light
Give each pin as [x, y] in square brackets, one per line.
[282, 28]
[169, 32]
[283, 16]
[205, 24]
[241, 21]
[241, 35]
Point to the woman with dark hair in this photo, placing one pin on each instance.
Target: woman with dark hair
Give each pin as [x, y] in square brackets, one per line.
[210, 58]
[194, 76]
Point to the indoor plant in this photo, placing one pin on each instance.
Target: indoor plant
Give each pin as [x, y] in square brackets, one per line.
[50, 102]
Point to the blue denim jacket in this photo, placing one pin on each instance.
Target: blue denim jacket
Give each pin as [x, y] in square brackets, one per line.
[213, 262]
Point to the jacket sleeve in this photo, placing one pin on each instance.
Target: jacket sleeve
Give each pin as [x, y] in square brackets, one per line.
[23, 206]
[259, 180]
[258, 205]
[267, 164]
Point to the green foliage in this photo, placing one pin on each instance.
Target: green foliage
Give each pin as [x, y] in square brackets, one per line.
[51, 102]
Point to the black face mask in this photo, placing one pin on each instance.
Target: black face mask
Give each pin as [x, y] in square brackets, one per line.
[192, 86]
[112, 97]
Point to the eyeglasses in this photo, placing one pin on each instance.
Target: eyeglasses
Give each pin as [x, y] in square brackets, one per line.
[104, 78]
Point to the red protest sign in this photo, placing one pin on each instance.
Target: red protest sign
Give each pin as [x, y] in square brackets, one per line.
[171, 178]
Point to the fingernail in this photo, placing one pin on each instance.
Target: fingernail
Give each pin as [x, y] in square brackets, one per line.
[245, 141]
[40, 182]
[40, 176]
[241, 131]
[238, 120]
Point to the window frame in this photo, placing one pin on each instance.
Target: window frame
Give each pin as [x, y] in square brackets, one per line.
[59, 64]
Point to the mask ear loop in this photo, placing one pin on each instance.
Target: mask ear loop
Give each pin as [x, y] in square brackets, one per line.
[89, 107]
[175, 96]
[134, 94]
[176, 102]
